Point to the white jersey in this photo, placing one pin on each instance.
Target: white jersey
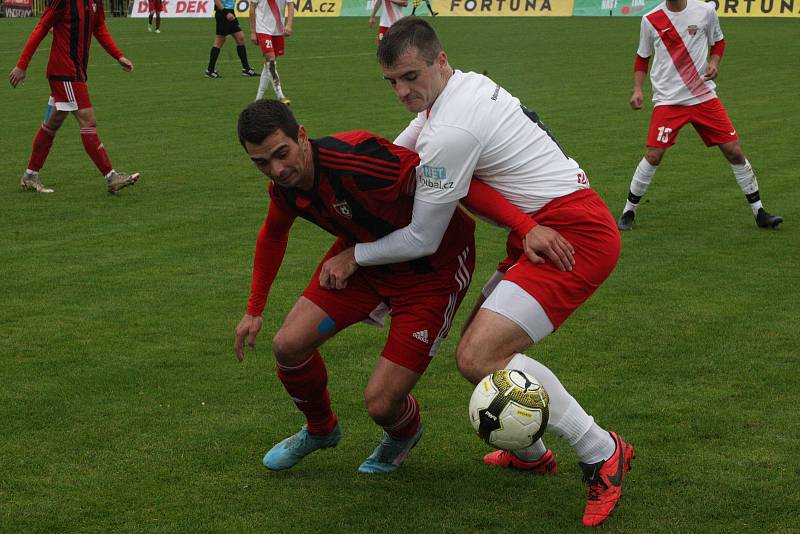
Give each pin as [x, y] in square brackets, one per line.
[476, 128]
[681, 42]
[390, 13]
[269, 16]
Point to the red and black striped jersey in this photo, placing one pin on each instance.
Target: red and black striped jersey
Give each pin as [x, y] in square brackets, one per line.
[73, 23]
[363, 190]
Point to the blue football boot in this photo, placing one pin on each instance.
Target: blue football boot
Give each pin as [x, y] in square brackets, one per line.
[390, 454]
[290, 451]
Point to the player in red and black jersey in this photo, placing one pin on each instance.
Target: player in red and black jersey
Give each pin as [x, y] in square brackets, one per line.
[73, 22]
[358, 187]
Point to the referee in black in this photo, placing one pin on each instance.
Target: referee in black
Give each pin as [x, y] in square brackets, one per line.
[227, 24]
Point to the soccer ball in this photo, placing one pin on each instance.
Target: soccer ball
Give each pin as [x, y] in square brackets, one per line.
[509, 409]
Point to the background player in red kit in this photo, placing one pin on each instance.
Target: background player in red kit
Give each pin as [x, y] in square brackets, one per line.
[73, 23]
[156, 7]
[358, 187]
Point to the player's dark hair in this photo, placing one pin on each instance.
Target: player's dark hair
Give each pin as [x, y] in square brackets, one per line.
[409, 32]
[262, 118]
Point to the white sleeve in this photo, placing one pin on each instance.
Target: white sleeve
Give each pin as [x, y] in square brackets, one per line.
[447, 159]
[408, 137]
[714, 30]
[420, 238]
[645, 39]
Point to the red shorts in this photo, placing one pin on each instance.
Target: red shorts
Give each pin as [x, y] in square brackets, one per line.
[584, 220]
[381, 31]
[422, 304]
[271, 43]
[710, 119]
[155, 5]
[69, 96]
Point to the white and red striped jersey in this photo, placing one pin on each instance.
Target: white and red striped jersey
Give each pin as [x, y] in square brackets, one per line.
[681, 42]
[477, 128]
[390, 13]
[269, 16]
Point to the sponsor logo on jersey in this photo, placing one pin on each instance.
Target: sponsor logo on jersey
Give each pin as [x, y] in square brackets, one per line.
[422, 335]
[343, 209]
[434, 173]
[434, 177]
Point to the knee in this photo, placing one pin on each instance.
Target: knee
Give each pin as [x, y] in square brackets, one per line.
[735, 156]
[653, 157]
[469, 361]
[381, 408]
[288, 349]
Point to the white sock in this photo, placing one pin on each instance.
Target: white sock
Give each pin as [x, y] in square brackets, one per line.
[641, 179]
[746, 179]
[532, 453]
[276, 81]
[266, 79]
[567, 418]
[34, 173]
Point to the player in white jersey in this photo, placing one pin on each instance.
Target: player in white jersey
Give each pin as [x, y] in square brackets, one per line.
[564, 245]
[392, 12]
[268, 30]
[679, 33]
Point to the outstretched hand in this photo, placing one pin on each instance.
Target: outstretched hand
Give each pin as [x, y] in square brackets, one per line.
[126, 64]
[338, 269]
[544, 242]
[247, 329]
[16, 76]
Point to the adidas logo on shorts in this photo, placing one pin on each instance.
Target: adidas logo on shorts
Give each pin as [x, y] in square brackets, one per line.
[422, 335]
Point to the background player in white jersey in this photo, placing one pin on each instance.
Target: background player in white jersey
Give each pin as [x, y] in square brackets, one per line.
[679, 32]
[392, 12]
[268, 29]
[467, 125]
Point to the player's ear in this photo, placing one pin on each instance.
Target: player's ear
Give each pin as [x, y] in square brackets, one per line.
[441, 59]
[302, 135]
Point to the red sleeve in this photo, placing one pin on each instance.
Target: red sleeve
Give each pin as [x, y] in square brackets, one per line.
[103, 36]
[270, 248]
[640, 64]
[51, 16]
[718, 48]
[485, 201]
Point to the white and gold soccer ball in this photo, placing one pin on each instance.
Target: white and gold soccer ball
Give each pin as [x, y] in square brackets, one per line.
[509, 409]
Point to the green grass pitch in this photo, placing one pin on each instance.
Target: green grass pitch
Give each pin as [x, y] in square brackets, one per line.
[123, 408]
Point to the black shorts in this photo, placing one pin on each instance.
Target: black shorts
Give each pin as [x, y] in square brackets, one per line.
[225, 26]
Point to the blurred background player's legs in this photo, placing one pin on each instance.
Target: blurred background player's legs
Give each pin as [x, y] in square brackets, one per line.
[642, 177]
[211, 71]
[241, 51]
[97, 152]
[155, 9]
[746, 178]
[41, 148]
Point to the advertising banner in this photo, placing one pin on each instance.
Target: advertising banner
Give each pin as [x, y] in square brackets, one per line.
[303, 8]
[504, 8]
[725, 8]
[758, 8]
[175, 8]
[17, 8]
[615, 8]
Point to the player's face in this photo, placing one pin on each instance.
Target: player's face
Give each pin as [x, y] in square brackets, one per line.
[286, 161]
[416, 83]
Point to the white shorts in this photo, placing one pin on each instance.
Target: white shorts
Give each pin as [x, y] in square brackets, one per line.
[517, 305]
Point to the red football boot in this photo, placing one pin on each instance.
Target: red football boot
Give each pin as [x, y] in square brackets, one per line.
[546, 465]
[605, 482]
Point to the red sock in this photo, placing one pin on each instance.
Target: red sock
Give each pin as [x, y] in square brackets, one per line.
[407, 423]
[41, 147]
[158, 21]
[307, 384]
[94, 147]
